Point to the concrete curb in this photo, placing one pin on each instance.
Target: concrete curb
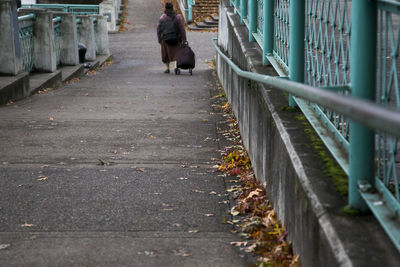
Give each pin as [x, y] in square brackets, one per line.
[14, 88]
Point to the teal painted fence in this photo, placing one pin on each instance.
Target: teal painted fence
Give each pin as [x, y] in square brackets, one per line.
[26, 39]
[350, 48]
[74, 9]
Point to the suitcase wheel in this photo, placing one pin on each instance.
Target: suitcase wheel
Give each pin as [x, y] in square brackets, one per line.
[190, 71]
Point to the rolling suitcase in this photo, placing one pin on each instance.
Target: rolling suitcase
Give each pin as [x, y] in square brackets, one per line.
[186, 58]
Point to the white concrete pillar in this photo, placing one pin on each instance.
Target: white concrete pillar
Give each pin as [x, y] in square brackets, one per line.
[107, 9]
[101, 34]
[45, 58]
[10, 48]
[87, 37]
[68, 40]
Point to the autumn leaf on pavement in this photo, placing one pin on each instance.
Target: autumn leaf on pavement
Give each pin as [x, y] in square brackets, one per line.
[181, 252]
[239, 243]
[27, 225]
[197, 191]
[4, 246]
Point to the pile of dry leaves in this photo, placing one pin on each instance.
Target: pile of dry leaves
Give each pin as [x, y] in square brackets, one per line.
[254, 216]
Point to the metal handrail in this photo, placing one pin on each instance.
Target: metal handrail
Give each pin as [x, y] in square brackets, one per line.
[27, 17]
[56, 19]
[390, 2]
[362, 111]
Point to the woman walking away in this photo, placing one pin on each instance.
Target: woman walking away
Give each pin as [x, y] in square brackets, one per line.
[171, 33]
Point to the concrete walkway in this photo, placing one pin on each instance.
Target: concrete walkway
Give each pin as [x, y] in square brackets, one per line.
[149, 205]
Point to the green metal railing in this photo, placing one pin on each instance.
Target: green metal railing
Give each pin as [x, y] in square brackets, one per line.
[26, 40]
[74, 9]
[350, 49]
[57, 37]
[190, 9]
[327, 41]
[281, 38]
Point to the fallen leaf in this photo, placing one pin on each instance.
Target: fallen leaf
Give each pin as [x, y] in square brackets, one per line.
[194, 166]
[255, 192]
[251, 248]
[181, 252]
[43, 179]
[239, 243]
[168, 209]
[234, 212]
[193, 231]
[212, 193]
[4, 246]
[140, 169]
[209, 215]
[27, 225]
[197, 191]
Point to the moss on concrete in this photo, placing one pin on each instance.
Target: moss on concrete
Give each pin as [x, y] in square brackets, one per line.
[290, 109]
[350, 211]
[331, 168]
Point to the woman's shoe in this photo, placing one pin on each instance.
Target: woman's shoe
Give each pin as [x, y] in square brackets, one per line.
[166, 71]
[177, 71]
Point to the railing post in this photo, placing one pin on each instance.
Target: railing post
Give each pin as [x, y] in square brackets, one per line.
[87, 37]
[10, 47]
[236, 6]
[190, 10]
[68, 40]
[296, 43]
[243, 11]
[363, 81]
[252, 19]
[268, 29]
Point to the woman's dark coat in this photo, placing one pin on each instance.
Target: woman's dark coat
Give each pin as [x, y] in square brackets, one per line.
[169, 53]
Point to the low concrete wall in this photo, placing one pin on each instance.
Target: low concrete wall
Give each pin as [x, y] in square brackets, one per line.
[303, 196]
